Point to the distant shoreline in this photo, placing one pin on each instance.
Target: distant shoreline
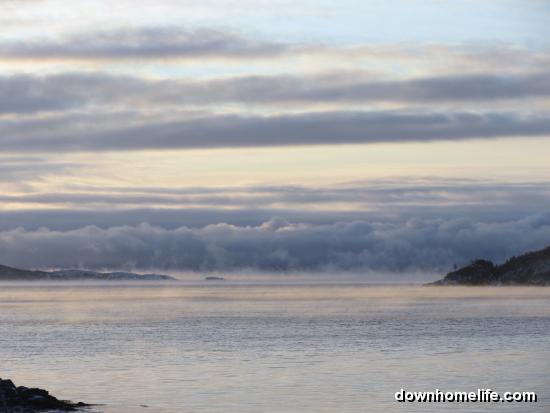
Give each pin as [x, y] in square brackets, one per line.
[17, 274]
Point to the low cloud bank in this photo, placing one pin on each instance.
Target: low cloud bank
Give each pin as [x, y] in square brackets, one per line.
[277, 245]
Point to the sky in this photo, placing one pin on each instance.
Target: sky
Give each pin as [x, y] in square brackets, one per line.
[366, 137]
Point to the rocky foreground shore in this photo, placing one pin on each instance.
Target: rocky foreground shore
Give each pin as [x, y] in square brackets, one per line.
[20, 399]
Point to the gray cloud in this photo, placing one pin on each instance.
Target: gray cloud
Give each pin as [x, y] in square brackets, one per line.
[142, 43]
[163, 43]
[277, 245]
[27, 94]
[68, 218]
[84, 133]
[373, 194]
[18, 170]
[63, 219]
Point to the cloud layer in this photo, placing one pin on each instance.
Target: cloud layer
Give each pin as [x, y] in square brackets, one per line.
[361, 101]
[30, 94]
[85, 133]
[143, 43]
[374, 195]
[415, 245]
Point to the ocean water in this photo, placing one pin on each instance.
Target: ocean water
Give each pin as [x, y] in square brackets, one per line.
[274, 347]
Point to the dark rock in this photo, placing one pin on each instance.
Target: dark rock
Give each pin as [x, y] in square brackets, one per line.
[30, 400]
[532, 268]
[479, 272]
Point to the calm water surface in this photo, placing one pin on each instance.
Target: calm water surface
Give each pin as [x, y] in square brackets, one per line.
[257, 347]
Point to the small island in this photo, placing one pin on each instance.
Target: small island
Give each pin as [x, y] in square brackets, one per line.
[30, 400]
[16, 274]
[214, 278]
[532, 268]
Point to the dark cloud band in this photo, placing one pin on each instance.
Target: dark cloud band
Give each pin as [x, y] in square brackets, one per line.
[84, 133]
[28, 94]
[142, 43]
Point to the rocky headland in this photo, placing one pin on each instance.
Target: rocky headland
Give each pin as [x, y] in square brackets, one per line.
[532, 268]
[23, 399]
